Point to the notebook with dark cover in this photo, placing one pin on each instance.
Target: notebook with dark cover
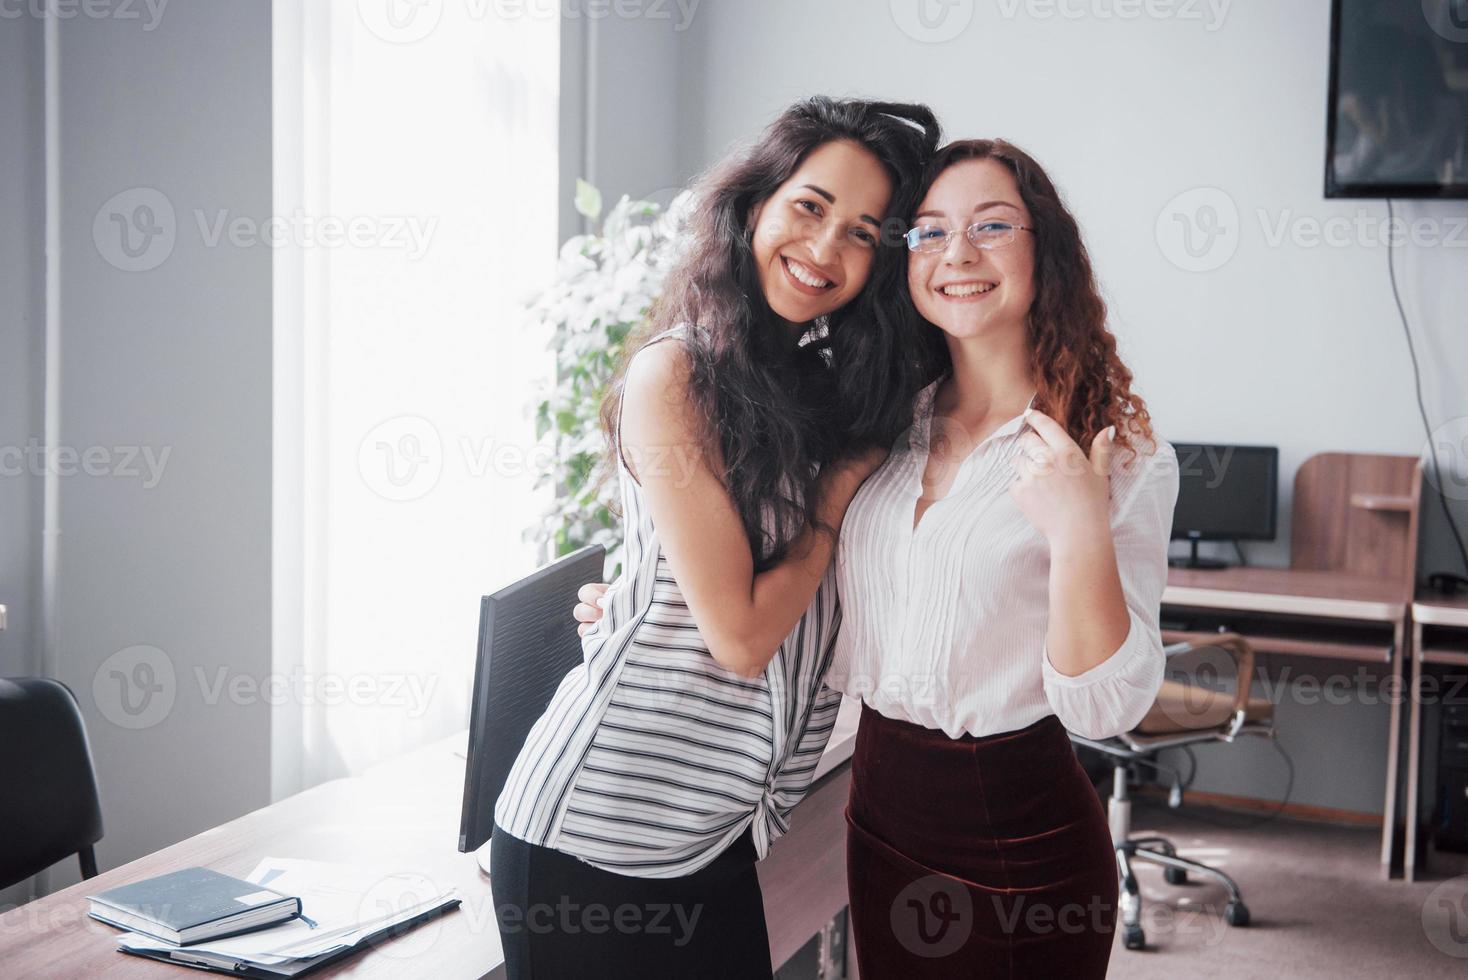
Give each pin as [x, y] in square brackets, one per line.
[296, 968]
[193, 905]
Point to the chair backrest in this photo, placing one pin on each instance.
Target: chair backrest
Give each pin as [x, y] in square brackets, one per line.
[49, 808]
[1356, 512]
[528, 643]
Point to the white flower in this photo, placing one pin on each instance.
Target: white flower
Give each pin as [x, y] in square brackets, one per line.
[604, 281]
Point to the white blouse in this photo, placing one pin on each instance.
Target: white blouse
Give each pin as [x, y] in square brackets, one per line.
[944, 626]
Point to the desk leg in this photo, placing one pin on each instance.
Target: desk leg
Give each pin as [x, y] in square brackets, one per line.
[852, 973]
[1393, 746]
[1414, 756]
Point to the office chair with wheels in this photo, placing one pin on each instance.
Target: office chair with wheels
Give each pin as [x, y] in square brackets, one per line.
[50, 808]
[1185, 713]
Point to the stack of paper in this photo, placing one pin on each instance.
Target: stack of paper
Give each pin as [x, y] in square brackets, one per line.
[342, 906]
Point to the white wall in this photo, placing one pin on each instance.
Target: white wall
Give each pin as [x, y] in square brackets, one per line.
[173, 359]
[1298, 347]
[1285, 344]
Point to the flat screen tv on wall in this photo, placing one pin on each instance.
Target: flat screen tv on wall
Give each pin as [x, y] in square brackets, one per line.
[1397, 123]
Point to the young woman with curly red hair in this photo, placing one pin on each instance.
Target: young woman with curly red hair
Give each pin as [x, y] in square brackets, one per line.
[1000, 584]
[1000, 577]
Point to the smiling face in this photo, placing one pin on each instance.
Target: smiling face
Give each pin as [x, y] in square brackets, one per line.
[815, 238]
[965, 291]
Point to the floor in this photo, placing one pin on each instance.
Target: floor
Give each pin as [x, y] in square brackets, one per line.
[1319, 907]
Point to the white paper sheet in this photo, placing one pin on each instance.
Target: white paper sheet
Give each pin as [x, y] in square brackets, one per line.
[341, 904]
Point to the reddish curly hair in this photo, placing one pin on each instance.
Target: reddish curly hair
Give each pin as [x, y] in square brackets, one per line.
[1082, 382]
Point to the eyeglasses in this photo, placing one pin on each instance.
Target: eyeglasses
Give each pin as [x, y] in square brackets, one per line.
[980, 234]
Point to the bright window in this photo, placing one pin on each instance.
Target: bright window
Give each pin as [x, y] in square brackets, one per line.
[416, 151]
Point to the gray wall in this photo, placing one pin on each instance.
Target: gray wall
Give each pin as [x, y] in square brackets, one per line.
[22, 325]
[162, 561]
[1286, 343]
[630, 77]
[22, 312]
[176, 359]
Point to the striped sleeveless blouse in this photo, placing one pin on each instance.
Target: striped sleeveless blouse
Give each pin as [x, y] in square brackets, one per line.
[651, 758]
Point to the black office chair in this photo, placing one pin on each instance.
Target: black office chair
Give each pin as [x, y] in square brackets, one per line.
[49, 807]
[527, 644]
[1183, 714]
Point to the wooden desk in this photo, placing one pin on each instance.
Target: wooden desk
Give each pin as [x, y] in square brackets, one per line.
[1431, 610]
[405, 814]
[1327, 614]
[1450, 615]
[1289, 592]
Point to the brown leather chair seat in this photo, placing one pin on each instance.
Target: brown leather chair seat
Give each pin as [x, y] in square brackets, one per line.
[1188, 708]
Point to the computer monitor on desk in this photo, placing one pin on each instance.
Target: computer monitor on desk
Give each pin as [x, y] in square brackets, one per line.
[1225, 493]
[527, 644]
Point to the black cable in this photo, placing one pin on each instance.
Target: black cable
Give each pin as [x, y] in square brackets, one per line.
[1186, 814]
[1240, 549]
[1157, 766]
[1391, 265]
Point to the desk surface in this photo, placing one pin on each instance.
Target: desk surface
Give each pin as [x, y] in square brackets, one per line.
[402, 815]
[1287, 591]
[396, 816]
[1440, 610]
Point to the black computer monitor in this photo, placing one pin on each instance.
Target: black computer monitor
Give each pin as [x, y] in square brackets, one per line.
[527, 644]
[1225, 493]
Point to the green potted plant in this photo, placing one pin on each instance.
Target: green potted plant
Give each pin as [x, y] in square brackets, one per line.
[606, 283]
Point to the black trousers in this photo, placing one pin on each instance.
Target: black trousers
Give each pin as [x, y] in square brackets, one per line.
[563, 919]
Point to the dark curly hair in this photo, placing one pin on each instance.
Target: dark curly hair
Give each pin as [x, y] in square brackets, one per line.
[775, 414]
[1081, 380]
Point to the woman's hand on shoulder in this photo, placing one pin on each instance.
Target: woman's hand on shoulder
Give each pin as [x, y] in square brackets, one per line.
[588, 611]
[841, 480]
[855, 468]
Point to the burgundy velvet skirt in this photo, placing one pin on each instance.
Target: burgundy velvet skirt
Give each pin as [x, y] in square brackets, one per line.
[976, 857]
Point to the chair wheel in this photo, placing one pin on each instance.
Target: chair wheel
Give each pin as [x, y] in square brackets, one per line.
[1236, 914]
[1175, 876]
[1133, 937]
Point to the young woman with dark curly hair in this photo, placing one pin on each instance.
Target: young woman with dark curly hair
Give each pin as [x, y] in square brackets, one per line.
[626, 835]
[1000, 585]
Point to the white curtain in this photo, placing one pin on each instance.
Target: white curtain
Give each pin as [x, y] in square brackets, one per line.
[416, 166]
